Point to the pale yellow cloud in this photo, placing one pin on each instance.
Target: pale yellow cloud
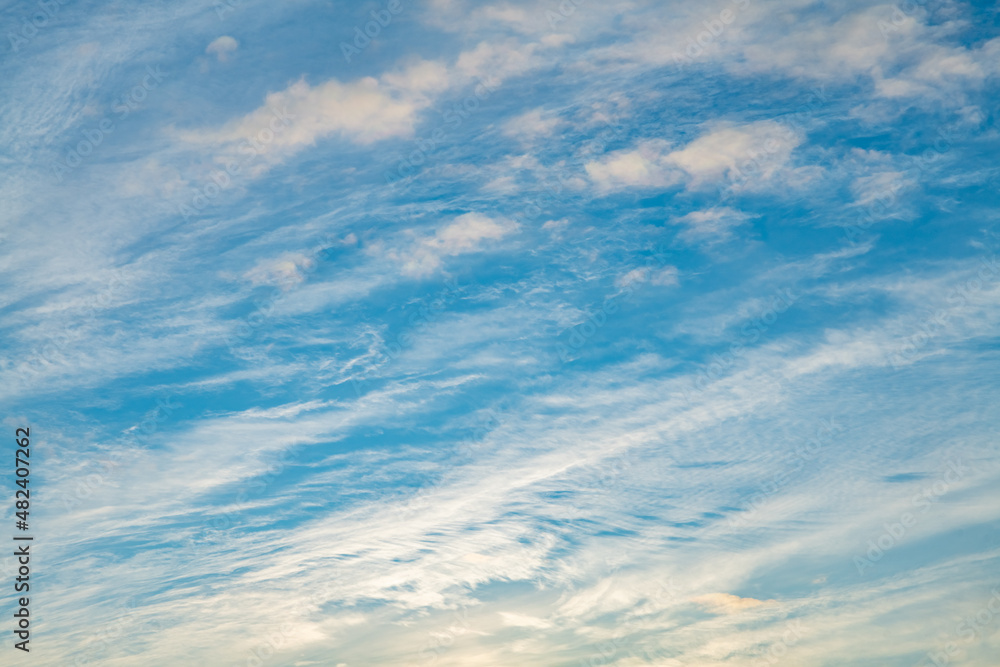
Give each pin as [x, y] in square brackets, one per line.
[724, 603]
[514, 620]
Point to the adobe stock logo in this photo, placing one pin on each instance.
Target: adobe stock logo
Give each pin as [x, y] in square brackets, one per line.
[713, 30]
[381, 18]
[896, 532]
[969, 629]
[38, 20]
[93, 137]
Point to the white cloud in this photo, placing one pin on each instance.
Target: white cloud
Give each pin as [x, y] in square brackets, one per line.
[882, 186]
[222, 47]
[851, 45]
[646, 166]
[515, 620]
[902, 53]
[664, 277]
[363, 111]
[286, 271]
[755, 150]
[532, 125]
[466, 232]
[553, 25]
[497, 60]
[464, 235]
[710, 226]
[747, 154]
[425, 77]
[556, 228]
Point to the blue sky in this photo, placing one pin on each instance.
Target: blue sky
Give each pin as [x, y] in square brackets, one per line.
[538, 334]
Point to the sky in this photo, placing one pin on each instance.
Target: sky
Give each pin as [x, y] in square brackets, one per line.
[484, 334]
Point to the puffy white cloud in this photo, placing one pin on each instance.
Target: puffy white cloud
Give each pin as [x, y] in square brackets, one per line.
[497, 60]
[464, 235]
[903, 53]
[363, 111]
[710, 226]
[532, 125]
[646, 166]
[286, 271]
[222, 47]
[424, 77]
[754, 151]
